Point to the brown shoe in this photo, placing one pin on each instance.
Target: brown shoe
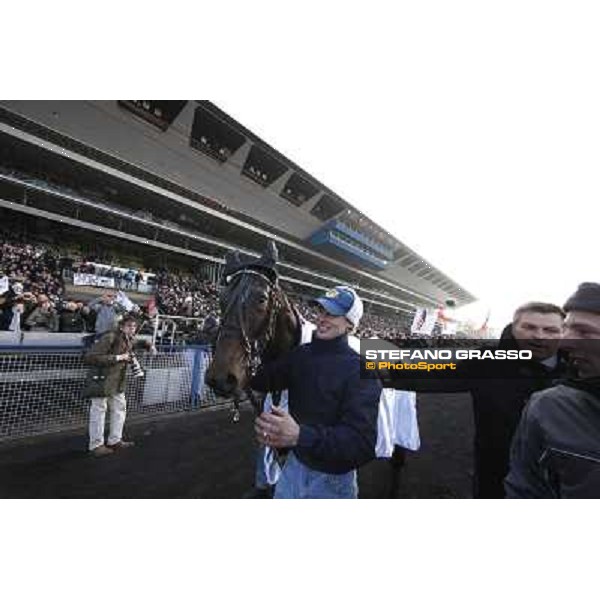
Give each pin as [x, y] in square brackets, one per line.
[100, 451]
[122, 445]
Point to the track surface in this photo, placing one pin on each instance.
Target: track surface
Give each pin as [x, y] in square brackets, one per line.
[205, 455]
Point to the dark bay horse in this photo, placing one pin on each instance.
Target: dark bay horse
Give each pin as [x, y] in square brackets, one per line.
[258, 322]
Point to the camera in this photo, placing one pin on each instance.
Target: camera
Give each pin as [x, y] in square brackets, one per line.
[136, 368]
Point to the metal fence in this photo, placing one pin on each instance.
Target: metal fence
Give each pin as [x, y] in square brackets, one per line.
[40, 388]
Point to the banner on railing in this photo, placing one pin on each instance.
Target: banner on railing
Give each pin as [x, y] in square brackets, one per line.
[95, 280]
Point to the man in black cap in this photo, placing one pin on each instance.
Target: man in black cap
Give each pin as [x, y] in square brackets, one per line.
[556, 450]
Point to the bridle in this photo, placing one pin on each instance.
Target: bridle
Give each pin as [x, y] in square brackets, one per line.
[252, 349]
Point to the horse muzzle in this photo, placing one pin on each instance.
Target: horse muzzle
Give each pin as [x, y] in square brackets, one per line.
[223, 385]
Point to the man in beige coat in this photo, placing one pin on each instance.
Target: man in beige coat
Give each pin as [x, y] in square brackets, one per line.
[105, 386]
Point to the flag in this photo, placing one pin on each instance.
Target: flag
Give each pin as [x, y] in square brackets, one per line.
[419, 319]
[424, 321]
[483, 328]
[124, 301]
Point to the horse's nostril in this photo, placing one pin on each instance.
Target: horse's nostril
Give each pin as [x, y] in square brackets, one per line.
[223, 386]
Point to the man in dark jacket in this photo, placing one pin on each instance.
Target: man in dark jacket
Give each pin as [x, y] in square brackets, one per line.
[332, 425]
[501, 388]
[210, 330]
[70, 319]
[109, 357]
[498, 403]
[11, 318]
[556, 450]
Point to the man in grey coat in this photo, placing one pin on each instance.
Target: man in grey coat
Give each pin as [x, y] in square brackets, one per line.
[107, 312]
[556, 450]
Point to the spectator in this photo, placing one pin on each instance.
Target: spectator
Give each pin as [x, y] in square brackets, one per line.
[187, 309]
[332, 427]
[12, 317]
[556, 450]
[71, 319]
[210, 329]
[118, 278]
[107, 312]
[501, 388]
[129, 279]
[105, 386]
[43, 317]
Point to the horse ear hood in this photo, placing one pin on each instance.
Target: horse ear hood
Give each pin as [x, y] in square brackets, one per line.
[232, 258]
[271, 253]
[232, 262]
[268, 261]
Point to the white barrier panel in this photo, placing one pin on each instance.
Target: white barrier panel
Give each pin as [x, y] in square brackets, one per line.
[42, 338]
[166, 385]
[9, 338]
[145, 288]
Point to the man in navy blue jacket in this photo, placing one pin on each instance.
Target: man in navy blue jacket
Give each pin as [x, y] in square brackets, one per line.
[331, 428]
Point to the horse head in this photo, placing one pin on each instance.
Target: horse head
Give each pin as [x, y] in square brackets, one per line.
[255, 321]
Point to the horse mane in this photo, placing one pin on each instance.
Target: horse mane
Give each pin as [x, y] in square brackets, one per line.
[288, 327]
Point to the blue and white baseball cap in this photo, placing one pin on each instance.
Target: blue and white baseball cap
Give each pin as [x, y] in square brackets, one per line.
[342, 301]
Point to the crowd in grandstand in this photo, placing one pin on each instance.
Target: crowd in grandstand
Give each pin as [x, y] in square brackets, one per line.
[185, 295]
[30, 285]
[172, 301]
[32, 276]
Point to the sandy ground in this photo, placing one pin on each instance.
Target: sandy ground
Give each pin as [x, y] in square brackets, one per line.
[204, 455]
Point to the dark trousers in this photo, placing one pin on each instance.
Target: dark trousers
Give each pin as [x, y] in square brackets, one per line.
[491, 468]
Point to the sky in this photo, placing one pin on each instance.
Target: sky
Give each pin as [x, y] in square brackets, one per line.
[477, 146]
[468, 130]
